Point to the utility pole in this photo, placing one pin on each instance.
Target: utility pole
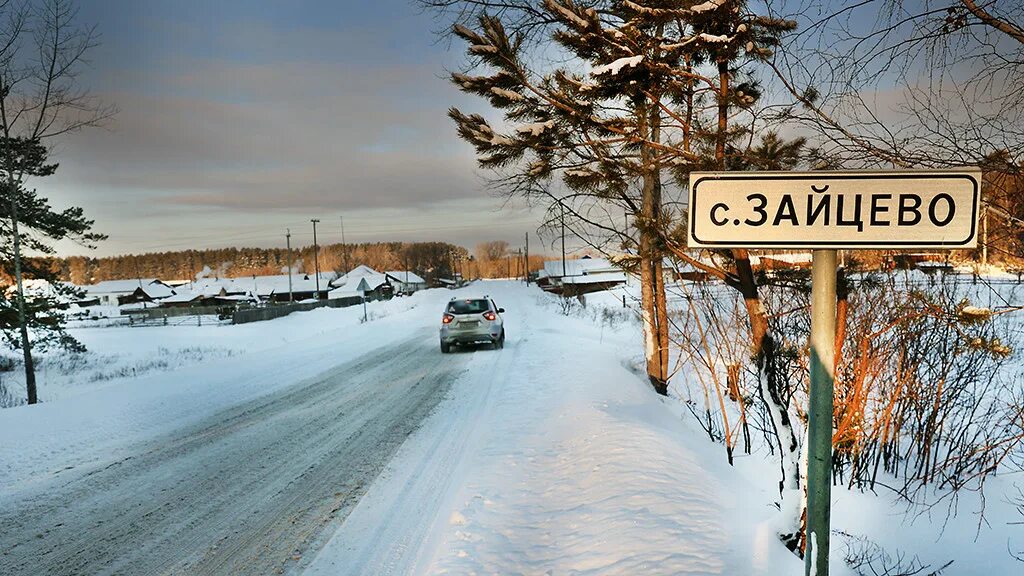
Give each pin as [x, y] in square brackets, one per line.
[344, 245]
[288, 241]
[316, 258]
[26, 344]
[563, 238]
[526, 258]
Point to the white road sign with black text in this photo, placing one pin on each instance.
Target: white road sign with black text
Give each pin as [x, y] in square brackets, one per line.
[869, 210]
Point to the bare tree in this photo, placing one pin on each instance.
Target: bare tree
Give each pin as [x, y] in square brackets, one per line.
[910, 83]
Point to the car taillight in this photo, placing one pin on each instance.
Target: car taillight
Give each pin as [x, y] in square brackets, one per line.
[447, 319]
[490, 315]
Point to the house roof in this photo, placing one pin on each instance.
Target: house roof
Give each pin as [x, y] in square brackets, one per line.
[362, 270]
[343, 292]
[263, 285]
[156, 290]
[119, 286]
[579, 267]
[364, 282]
[354, 274]
[401, 275]
[40, 288]
[278, 284]
[182, 296]
[595, 278]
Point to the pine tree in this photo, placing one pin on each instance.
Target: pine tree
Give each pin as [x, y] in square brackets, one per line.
[41, 50]
[651, 89]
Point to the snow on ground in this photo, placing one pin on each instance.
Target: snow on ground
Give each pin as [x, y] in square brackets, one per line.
[85, 421]
[120, 352]
[555, 458]
[978, 534]
[550, 456]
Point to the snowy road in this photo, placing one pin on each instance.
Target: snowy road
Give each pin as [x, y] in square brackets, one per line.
[333, 447]
[247, 491]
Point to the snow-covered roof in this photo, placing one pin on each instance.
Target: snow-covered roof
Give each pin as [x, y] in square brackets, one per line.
[363, 282]
[370, 282]
[118, 286]
[361, 270]
[267, 285]
[237, 297]
[355, 274]
[595, 278]
[156, 290]
[405, 276]
[182, 296]
[39, 288]
[343, 292]
[263, 285]
[578, 267]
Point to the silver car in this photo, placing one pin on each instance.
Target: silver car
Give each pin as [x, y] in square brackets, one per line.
[469, 321]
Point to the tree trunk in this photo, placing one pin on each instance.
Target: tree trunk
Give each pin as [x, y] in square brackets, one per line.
[652, 281]
[26, 344]
[771, 386]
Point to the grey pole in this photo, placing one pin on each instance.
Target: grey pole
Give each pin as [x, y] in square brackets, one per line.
[288, 240]
[316, 258]
[526, 259]
[344, 245]
[819, 421]
[563, 238]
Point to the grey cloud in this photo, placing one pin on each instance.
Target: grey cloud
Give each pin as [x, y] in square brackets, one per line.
[287, 135]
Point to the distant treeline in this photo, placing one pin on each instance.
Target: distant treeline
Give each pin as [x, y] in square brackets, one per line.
[428, 259]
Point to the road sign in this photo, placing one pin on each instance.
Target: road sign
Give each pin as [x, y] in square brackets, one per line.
[828, 209]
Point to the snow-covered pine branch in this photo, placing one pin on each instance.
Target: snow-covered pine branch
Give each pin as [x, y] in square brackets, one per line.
[613, 68]
[569, 13]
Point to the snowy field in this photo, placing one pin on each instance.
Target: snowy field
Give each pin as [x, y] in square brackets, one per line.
[552, 456]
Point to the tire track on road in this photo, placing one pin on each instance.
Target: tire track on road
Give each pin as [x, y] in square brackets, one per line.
[248, 491]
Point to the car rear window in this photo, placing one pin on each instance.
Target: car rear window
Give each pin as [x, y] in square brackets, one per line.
[468, 307]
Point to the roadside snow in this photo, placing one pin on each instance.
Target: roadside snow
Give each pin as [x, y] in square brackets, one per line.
[84, 424]
[553, 457]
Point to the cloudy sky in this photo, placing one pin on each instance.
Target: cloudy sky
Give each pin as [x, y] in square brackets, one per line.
[240, 118]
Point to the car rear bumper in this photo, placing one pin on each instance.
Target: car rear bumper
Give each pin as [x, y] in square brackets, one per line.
[473, 337]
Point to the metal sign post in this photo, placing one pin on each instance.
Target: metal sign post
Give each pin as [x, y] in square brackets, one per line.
[819, 410]
[827, 211]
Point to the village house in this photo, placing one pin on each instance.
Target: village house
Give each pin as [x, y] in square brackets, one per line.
[118, 292]
[580, 276]
[405, 281]
[365, 282]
